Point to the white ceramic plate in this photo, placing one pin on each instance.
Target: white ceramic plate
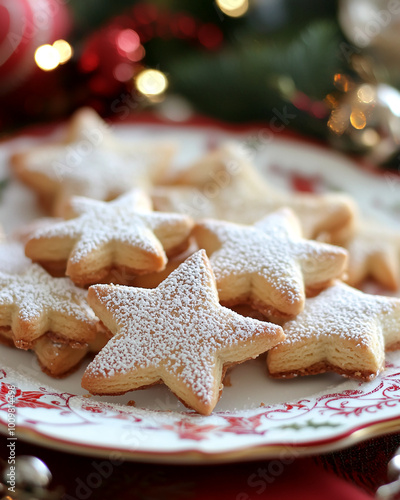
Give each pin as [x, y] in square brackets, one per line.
[256, 416]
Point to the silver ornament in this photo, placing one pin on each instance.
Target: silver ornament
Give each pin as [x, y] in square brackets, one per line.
[32, 480]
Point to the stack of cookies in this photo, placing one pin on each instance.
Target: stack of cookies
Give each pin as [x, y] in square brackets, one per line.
[168, 282]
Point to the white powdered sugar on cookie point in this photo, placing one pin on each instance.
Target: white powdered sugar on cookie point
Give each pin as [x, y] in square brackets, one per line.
[177, 333]
[124, 232]
[343, 330]
[269, 264]
[32, 303]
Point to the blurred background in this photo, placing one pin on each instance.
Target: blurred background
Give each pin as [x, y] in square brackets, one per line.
[330, 69]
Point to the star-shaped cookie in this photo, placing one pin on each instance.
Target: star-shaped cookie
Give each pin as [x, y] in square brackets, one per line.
[268, 265]
[33, 303]
[90, 161]
[225, 185]
[374, 252]
[120, 234]
[177, 333]
[222, 165]
[342, 330]
[55, 358]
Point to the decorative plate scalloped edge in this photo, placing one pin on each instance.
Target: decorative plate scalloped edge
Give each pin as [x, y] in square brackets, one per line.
[341, 414]
[325, 422]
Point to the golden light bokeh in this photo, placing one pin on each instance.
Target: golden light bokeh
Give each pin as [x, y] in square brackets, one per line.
[151, 82]
[358, 119]
[233, 8]
[366, 94]
[64, 50]
[331, 100]
[47, 57]
[341, 82]
[370, 137]
[339, 120]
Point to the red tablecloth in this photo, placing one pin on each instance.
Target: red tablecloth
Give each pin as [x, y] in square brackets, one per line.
[352, 474]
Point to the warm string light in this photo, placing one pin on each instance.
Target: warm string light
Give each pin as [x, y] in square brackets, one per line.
[112, 58]
[49, 57]
[233, 8]
[358, 119]
[351, 109]
[342, 82]
[366, 94]
[151, 82]
[64, 50]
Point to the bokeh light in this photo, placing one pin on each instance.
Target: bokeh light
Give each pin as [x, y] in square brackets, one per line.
[233, 8]
[64, 50]
[151, 82]
[342, 82]
[366, 93]
[123, 72]
[339, 120]
[47, 57]
[128, 41]
[358, 119]
[136, 55]
[370, 137]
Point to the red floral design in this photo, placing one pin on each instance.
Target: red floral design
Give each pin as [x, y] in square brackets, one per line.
[300, 181]
[305, 184]
[290, 406]
[25, 399]
[348, 403]
[244, 425]
[109, 411]
[188, 430]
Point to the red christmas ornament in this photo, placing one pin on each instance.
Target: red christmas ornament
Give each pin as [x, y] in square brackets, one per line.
[110, 57]
[24, 26]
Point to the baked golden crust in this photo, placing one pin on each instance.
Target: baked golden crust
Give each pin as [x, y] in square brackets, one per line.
[268, 265]
[341, 330]
[176, 333]
[58, 360]
[323, 367]
[33, 303]
[122, 235]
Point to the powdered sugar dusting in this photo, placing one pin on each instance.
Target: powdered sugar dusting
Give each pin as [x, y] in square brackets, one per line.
[270, 252]
[34, 293]
[344, 312]
[176, 329]
[127, 220]
[96, 171]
